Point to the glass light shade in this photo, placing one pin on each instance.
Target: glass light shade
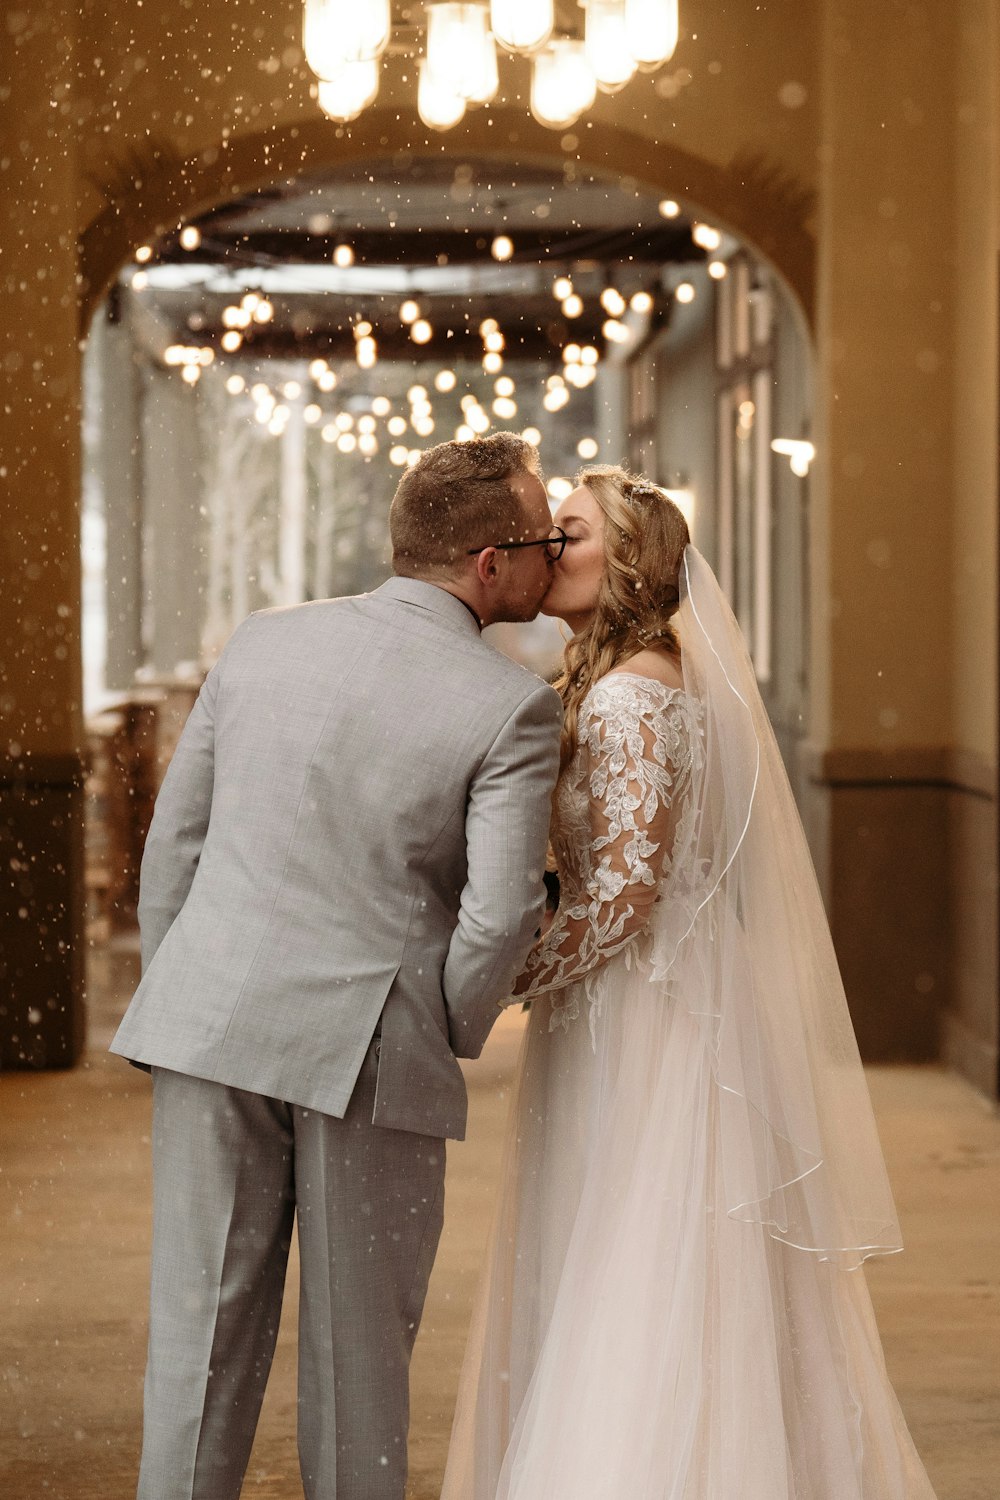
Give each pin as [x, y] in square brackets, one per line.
[335, 32]
[522, 25]
[353, 89]
[438, 105]
[562, 83]
[607, 46]
[651, 31]
[461, 52]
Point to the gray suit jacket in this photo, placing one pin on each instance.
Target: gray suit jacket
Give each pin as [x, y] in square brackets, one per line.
[353, 825]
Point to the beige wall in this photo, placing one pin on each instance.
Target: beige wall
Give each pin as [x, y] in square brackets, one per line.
[971, 1020]
[974, 211]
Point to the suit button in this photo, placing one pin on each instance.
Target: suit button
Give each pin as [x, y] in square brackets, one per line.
[378, 1049]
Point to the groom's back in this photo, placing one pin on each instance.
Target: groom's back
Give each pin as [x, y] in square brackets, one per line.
[345, 734]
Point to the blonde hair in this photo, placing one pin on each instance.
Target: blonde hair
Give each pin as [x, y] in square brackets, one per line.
[645, 534]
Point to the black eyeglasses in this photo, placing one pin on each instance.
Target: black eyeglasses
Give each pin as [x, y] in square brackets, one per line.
[555, 546]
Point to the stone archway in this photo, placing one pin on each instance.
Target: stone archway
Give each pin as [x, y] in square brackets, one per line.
[158, 189]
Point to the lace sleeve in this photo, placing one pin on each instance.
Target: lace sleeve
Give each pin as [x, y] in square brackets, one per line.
[635, 753]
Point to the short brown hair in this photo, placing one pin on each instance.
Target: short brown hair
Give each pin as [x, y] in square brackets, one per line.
[456, 497]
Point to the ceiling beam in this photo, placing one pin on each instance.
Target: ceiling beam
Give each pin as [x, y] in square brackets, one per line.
[669, 244]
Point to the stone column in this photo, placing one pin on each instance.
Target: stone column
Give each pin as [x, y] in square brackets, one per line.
[881, 514]
[119, 474]
[41, 795]
[174, 563]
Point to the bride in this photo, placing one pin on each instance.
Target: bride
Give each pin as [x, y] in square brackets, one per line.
[673, 1306]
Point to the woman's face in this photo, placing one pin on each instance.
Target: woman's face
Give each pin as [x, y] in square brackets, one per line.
[576, 577]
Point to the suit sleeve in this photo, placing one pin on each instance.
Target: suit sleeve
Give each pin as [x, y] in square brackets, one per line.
[179, 823]
[506, 827]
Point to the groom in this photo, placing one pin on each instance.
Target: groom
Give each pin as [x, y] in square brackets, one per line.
[342, 878]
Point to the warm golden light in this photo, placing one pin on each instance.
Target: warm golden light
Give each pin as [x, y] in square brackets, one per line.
[521, 25]
[606, 45]
[651, 31]
[705, 236]
[353, 88]
[340, 32]
[562, 83]
[439, 105]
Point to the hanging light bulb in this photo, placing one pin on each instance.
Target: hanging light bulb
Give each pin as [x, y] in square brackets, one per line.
[335, 32]
[651, 31]
[440, 106]
[522, 25]
[351, 91]
[461, 52]
[562, 83]
[487, 80]
[606, 44]
[612, 301]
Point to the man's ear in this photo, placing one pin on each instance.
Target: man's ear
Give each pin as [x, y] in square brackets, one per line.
[486, 565]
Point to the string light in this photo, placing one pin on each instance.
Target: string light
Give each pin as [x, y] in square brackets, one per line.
[190, 237]
[502, 247]
[684, 292]
[705, 236]
[343, 256]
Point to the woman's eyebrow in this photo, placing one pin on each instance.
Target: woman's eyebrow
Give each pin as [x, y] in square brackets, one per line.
[578, 520]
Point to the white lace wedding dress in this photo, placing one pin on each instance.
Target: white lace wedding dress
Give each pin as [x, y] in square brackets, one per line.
[636, 1337]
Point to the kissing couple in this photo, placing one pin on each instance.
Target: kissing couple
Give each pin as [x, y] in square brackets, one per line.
[343, 886]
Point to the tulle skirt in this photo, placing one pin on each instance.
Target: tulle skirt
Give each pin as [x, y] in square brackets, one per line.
[631, 1339]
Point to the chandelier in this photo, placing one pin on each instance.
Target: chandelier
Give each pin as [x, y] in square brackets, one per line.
[345, 39]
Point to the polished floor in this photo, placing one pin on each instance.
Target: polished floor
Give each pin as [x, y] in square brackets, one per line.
[74, 1211]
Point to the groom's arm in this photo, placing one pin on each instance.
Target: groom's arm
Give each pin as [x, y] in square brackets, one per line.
[180, 822]
[506, 827]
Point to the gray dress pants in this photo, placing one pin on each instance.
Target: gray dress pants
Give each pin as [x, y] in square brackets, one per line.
[231, 1170]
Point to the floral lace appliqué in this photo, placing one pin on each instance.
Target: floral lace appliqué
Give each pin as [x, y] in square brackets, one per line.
[622, 807]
